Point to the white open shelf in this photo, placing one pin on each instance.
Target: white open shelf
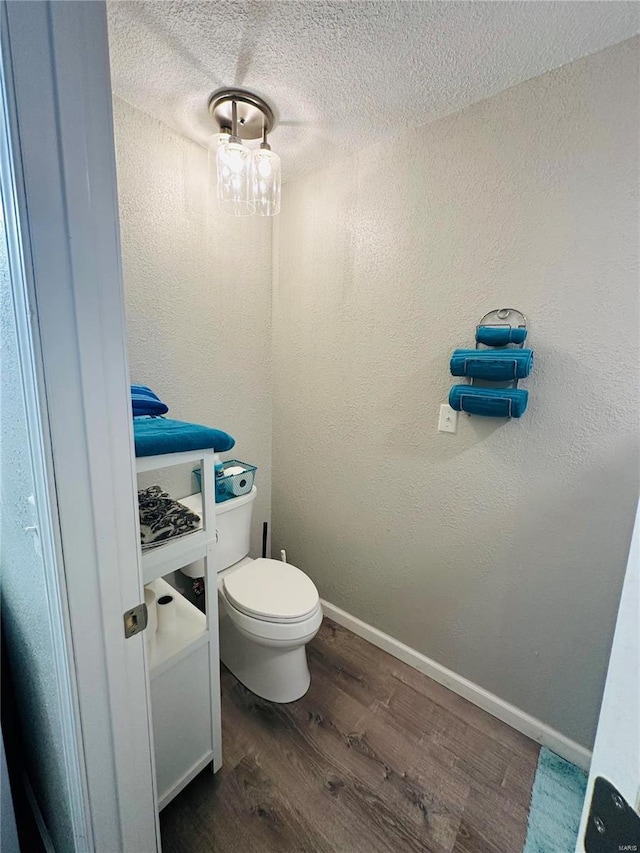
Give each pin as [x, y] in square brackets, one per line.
[168, 460]
[160, 561]
[189, 630]
[175, 553]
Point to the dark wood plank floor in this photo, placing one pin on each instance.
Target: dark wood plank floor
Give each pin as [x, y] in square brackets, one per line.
[376, 758]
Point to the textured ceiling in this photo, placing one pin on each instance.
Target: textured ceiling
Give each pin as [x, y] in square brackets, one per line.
[341, 75]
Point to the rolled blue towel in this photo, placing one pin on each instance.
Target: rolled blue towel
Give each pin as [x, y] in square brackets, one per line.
[497, 365]
[144, 401]
[490, 402]
[500, 336]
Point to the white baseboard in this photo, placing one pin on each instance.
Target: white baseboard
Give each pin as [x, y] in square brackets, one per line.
[517, 719]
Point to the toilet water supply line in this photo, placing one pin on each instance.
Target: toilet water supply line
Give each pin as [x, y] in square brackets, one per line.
[265, 529]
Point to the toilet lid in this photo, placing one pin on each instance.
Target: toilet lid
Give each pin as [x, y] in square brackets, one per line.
[271, 590]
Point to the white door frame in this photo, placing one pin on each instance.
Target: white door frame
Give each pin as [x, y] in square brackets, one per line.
[56, 68]
[616, 753]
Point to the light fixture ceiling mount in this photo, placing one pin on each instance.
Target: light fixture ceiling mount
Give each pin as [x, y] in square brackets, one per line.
[248, 181]
[254, 114]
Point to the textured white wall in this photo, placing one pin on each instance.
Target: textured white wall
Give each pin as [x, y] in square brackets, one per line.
[27, 633]
[498, 551]
[198, 290]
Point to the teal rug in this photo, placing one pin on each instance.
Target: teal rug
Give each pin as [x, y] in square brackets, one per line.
[556, 805]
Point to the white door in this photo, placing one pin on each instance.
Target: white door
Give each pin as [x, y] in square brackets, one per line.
[59, 194]
[611, 823]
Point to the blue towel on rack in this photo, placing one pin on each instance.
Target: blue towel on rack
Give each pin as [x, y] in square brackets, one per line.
[144, 401]
[153, 436]
[490, 402]
[500, 336]
[497, 365]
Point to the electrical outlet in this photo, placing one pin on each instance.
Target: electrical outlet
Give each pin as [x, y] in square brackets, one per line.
[448, 420]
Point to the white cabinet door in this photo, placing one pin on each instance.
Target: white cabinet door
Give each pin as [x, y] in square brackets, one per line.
[59, 166]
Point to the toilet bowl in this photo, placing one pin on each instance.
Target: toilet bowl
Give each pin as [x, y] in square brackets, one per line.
[268, 610]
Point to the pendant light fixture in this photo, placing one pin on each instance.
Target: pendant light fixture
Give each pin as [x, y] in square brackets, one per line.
[249, 181]
[266, 179]
[234, 168]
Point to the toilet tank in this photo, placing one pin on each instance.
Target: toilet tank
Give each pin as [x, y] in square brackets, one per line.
[233, 529]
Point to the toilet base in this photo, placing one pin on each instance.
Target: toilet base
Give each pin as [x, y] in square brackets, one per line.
[276, 673]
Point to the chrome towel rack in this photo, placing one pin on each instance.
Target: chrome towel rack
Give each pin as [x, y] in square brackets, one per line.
[500, 318]
[513, 324]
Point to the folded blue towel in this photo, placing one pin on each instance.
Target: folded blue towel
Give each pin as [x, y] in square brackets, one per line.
[153, 436]
[499, 336]
[497, 365]
[491, 402]
[144, 401]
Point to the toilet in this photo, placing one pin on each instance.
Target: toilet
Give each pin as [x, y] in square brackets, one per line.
[268, 610]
